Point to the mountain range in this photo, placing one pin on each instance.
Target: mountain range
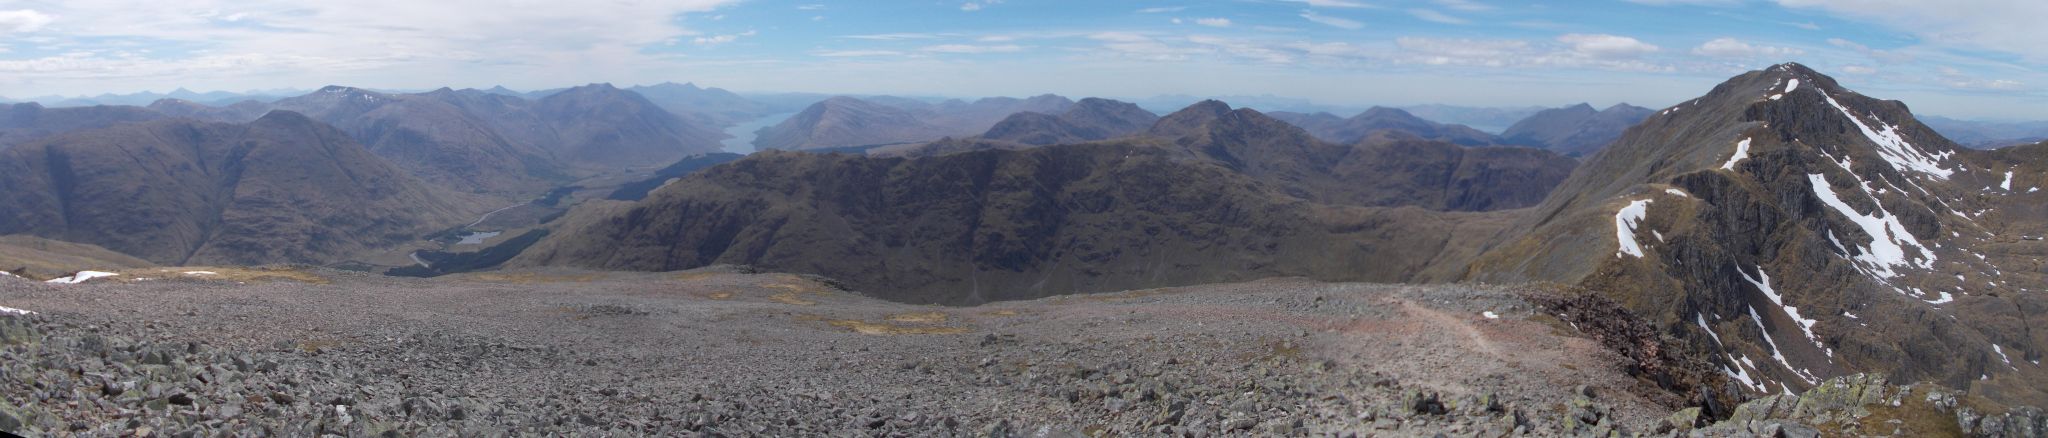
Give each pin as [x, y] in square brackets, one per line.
[1206, 194]
[1780, 228]
[1331, 128]
[282, 188]
[1576, 130]
[848, 121]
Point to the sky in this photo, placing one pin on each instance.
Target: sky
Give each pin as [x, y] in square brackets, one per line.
[1980, 59]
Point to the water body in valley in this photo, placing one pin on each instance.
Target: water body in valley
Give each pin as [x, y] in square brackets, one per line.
[742, 141]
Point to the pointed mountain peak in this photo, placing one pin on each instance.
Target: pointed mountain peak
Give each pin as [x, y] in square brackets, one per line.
[1582, 106]
[1385, 112]
[1211, 107]
[1187, 120]
[1624, 106]
[283, 118]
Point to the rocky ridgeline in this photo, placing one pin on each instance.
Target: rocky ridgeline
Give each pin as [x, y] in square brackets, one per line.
[1864, 405]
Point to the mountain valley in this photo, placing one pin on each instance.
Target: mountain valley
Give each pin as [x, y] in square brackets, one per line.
[1778, 255]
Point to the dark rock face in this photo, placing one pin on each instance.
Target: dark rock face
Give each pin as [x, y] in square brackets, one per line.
[284, 188]
[1796, 230]
[1576, 130]
[1330, 128]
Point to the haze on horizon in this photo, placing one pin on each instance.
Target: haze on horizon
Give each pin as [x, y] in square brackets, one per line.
[1975, 59]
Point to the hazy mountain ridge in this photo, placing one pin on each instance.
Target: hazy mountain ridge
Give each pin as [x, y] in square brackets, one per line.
[844, 121]
[27, 122]
[1577, 130]
[284, 188]
[1331, 128]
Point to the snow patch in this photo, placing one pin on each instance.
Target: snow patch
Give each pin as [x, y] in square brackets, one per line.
[1489, 314]
[1888, 237]
[1777, 96]
[1702, 321]
[81, 277]
[1792, 85]
[1805, 325]
[1894, 148]
[201, 273]
[2007, 185]
[1945, 299]
[5, 309]
[1775, 353]
[1741, 153]
[2001, 355]
[1741, 375]
[1677, 192]
[1625, 223]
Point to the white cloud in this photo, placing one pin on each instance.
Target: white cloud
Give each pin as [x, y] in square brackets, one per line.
[1213, 22]
[1459, 51]
[1331, 21]
[1599, 52]
[1858, 70]
[1331, 3]
[1688, 2]
[810, 7]
[1883, 56]
[1733, 48]
[1955, 78]
[1464, 5]
[1606, 46]
[1243, 49]
[2010, 26]
[720, 39]
[394, 43]
[1436, 17]
[970, 7]
[900, 36]
[973, 49]
[23, 20]
[1162, 10]
[856, 53]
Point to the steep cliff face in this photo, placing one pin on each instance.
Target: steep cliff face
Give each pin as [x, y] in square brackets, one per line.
[1797, 230]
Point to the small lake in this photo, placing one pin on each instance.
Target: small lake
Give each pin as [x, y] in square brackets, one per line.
[478, 238]
[742, 141]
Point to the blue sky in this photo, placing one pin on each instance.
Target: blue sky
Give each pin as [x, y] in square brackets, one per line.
[1971, 58]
